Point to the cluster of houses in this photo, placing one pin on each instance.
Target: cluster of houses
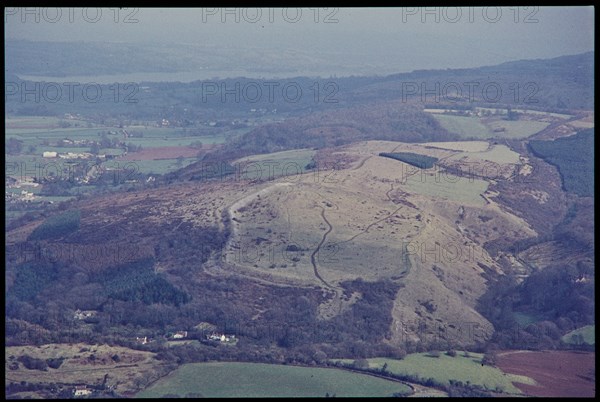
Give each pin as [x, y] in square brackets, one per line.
[24, 195]
[144, 340]
[71, 155]
[67, 142]
[220, 337]
[214, 336]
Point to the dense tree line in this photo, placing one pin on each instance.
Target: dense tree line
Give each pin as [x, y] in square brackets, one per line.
[138, 282]
[557, 295]
[417, 160]
[57, 226]
[31, 278]
[574, 158]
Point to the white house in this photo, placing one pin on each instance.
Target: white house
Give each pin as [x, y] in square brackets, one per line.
[81, 390]
[83, 314]
[49, 154]
[180, 335]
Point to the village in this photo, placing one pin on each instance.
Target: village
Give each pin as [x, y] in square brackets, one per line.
[203, 332]
[213, 337]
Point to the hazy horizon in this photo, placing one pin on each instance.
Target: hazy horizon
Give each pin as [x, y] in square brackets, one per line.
[380, 41]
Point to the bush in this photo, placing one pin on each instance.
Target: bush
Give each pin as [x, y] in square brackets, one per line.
[361, 363]
[55, 363]
[32, 363]
[451, 353]
[434, 353]
[489, 359]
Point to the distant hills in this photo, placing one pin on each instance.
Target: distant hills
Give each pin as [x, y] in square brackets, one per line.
[558, 84]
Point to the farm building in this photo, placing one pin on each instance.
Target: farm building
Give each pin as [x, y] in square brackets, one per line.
[50, 154]
[180, 335]
[81, 390]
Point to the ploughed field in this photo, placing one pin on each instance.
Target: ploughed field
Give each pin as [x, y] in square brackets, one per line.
[557, 373]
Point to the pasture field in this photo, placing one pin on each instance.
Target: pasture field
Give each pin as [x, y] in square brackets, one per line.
[174, 141]
[500, 154]
[538, 112]
[517, 129]
[31, 121]
[466, 127]
[445, 368]
[475, 128]
[34, 130]
[464, 146]
[582, 124]
[588, 334]
[524, 319]
[447, 186]
[79, 368]
[524, 111]
[277, 164]
[234, 380]
[159, 166]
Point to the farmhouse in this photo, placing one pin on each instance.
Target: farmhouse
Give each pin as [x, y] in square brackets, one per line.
[143, 340]
[81, 390]
[221, 338]
[49, 154]
[26, 181]
[83, 314]
[74, 155]
[180, 335]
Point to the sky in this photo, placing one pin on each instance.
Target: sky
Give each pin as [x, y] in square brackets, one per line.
[407, 38]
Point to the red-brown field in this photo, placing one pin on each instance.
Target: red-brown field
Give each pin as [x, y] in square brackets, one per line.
[558, 373]
[148, 154]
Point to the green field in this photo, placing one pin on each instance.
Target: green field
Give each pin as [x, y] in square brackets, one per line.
[517, 129]
[33, 130]
[447, 187]
[234, 380]
[466, 127]
[445, 368]
[525, 111]
[285, 163]
[585, 334]
[557, 115]
[524, 319]
[175, 141]
[474, 128]
[160, 166]
[498, 154]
